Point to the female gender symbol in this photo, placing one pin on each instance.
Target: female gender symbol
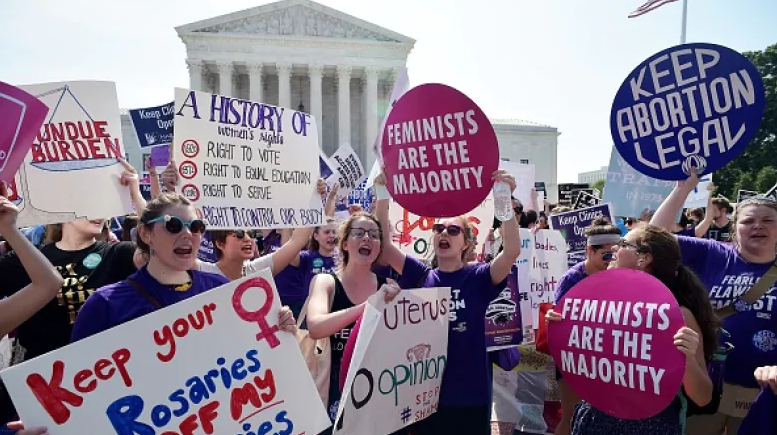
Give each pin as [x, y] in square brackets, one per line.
[266, 332]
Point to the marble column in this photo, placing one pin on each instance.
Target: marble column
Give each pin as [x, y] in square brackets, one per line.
[343, 104]
[370, 114]
[225, 78]
[195, 74]
[316, 72]
[284, 85]
[255, 82]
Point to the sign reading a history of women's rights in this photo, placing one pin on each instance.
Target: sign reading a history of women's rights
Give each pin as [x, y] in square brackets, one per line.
[153, 125]
[631, 193]
[398, 362]
[22, 116]
[347, 170]
[572, 224]
[438, 143]
[615, 344]
[172, 372]
[690, 106]
[413, 234]
[74, 157]
[245, 164]
[504, 327]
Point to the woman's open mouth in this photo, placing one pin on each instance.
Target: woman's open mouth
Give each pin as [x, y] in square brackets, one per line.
[184, 252]
[365, 250]
[247, 249]
[444, 244]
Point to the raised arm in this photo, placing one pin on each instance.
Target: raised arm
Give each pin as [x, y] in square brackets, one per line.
[390, 254]
[153, 179]
[321, 322]
[664, 217]
[288, 253]
[45, 280]
[130, 179]
[511, 237]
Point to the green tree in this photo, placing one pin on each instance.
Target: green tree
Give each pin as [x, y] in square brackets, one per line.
[762, 151]
[766, 178]
[598, 185]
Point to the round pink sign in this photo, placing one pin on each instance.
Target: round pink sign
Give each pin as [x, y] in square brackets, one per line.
[615, 345]
[439, 151]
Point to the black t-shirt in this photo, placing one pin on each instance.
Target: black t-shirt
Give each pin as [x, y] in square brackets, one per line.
[84, 272]
[721, 234]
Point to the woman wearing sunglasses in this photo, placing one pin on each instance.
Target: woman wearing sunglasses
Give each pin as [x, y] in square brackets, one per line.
[465, 399]
[602, 237]
[169, 233]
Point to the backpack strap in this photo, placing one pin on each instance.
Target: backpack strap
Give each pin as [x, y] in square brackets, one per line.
[759, 289]
[139, 288]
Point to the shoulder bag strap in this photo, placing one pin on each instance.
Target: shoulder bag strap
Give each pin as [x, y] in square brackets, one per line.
[138, 288]
[759, 289]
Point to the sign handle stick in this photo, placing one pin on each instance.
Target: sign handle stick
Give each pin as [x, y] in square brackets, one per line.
[685, 22]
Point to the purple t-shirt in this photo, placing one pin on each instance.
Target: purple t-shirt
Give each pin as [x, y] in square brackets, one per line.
[119, 303]
[727, 275]
[294, 282]
[761, 418]
[573, 276]
[467, 378]
[687, 232]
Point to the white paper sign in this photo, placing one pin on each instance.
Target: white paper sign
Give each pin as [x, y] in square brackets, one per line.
[347, 170]
[542, 262]
[398, 362]
[699, 196]
[524, 182]
[72, 171]
[215, 363]
[413, 234]
[245, 164]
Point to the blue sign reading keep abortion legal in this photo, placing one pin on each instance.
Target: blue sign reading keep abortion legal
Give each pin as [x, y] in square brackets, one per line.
[153, 125]
[690, 106]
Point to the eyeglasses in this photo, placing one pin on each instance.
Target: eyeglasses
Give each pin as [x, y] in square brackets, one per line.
[174, 224]
[626, 244]
[358, 233]
[453, 230]
[240, 234]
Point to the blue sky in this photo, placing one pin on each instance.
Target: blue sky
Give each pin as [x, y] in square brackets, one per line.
[558, 62]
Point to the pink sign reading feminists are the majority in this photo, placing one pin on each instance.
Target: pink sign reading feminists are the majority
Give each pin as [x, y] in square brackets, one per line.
[615, 345]
[22, 115]
[439, 151]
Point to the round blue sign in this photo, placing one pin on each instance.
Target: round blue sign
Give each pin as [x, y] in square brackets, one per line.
[690, 106]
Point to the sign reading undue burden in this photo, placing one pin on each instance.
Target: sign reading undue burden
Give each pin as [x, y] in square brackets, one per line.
[615, 345]
[245, 164]
[689, 106]
[437, 143]
[172, 372]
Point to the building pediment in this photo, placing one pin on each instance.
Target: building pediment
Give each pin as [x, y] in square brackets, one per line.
[300, 18]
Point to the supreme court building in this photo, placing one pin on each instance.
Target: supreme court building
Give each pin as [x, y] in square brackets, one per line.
[340, 69]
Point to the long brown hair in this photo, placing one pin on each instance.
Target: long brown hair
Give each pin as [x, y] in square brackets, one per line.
[345, 230]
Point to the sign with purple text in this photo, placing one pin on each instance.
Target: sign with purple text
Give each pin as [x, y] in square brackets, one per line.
[160, 156]
[503, 316]
[154, 375]
[245, 164]
[572, 224]
[438, 142]
[615, 344]
[207, 251]
[690, 106]
[22, 116]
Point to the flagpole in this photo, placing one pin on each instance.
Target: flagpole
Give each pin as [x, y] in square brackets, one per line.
[685, 21]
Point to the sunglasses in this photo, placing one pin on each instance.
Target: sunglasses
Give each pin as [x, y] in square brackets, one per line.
[358, 233]
[240, 234]
[453, 230]
[174, 224]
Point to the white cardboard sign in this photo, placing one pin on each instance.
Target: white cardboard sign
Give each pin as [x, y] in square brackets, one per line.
[398, 362]
[542, 263]
[229, 368]
[245, 164]
[524, 182]
[347, 170]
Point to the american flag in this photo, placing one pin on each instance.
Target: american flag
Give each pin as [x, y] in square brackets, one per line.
[649, 6]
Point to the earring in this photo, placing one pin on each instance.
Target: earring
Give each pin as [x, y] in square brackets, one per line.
[152, 252]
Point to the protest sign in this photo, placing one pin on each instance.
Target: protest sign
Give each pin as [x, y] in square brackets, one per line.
[361, 195]
[503, 316]
[347, 170]
[565, 192]
[245, 164]
[699, 196]
[22, 116]
[542, 262]
[585, 198]
[324, 167]
[401, 85]
[772, 193]
[172, 371]
[524, 182]
[398, 362]
[160, 156]
[153, 125]
[72, 170]
[615, 345]
[438, 142]
[575, 257]
[631, 193]
[690, 106]
[745, 194]
[206, 252]
[413, 234]
[572, 224]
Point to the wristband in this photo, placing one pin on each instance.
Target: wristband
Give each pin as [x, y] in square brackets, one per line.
[381, 192]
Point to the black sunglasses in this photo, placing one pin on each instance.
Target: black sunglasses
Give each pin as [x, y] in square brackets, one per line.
[174, 224]
[453, 230]
[240, 234]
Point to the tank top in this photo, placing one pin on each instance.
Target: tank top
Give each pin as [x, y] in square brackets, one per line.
[340, 301]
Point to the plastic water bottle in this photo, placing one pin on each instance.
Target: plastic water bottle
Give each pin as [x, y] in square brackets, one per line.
[503, 205]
